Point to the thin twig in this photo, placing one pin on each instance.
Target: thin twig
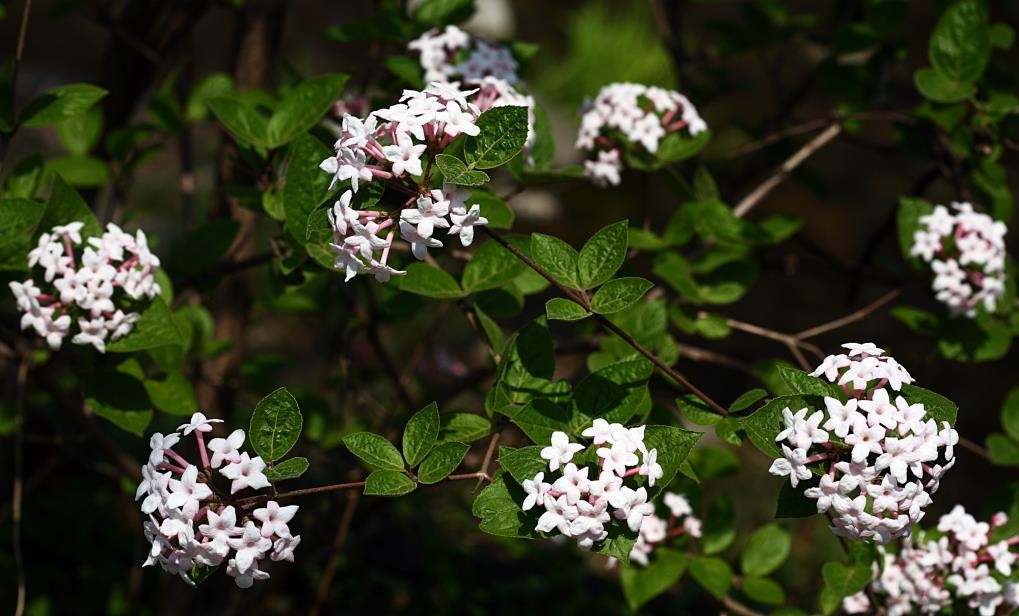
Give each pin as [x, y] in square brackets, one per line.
[850, 318]
[16, 498]
[487, 460]
[342, 532]
[786, 339]
[782, 172]
[19, 51]
[736, 607]
[779, 135]
[965, 443]
[581, 298]
[306, 491]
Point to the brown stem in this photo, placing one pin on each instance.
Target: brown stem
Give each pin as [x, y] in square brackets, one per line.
[306, 491]
[478, 475]
[581, 298]
[342, 532]
[850, 318]
[782, 172]
[16, 497]
[965, 443]
[736, 607]
[786, 339]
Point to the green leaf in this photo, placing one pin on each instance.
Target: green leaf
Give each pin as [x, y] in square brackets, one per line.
[792, 503]
[80, 171]
[503, 133]
[498, 507]
[940, 88]
[908, 217]
[287, 469]
[422, 279]
[557, 257]
[463, 427]
[1010, 414]
[800, 382]
[247, 125]
[118, 398]
[713, 462]
[746, 400]
[917, 320]
[523, 463]
[618, 294]
[938, 407]
[306, 186]
[275, 425]
[603, 255]
[713, 574]
[154, 328]
[61, 103]
[562, 309]
[20, 218]
[455, 171]
[525, 372]
[420, 433]
[213, 86]
[1002, 35]
[840, 581]
[442, 461]
[642, 584]
[673, 445]
[173, 395]
[492, 330]
[719, 530]
[697, 411]
[25, 178]
[616, 392]
[763, 590]
[490, 267]
[66, 205]
[375, 451]
[766, 550]
[388, 483]
[960, 44]
[303, 107]
[992, 181]
[983, 338]
[1003, 450]
[618, 544]
[442, 12]
[539, 418]
[80, 133]
[676, 147]
[407, 69]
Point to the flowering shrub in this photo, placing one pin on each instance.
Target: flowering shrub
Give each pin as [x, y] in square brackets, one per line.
[957, 562]
[90, 291]
[879, 456]
[194, 525]
[966, 251]
[591, 312]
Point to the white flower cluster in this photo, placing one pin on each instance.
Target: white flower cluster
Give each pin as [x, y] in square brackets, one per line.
[454, 56]
[190, 523]
[882, 457]
[654, 530]
[966, 251]
[931, 575]
[578, 505]
[389, 144]
[82, 289]
[628, 114]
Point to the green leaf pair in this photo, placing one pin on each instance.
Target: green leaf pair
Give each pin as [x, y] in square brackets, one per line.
[275, 426]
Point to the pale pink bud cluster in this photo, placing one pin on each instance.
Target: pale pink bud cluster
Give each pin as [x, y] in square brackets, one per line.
[629, 115]
[451, 54]
[881, 458]
[454, 56]
[966, 251]
[961, 565]
[194, 524]
[390, 145]
[92, 293]
[581, 501]
[655, 530]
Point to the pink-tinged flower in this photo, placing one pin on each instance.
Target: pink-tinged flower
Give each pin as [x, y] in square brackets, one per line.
[651, 468]
[251, 545]
[560, 451]
[159, 444]
[221, 525]
[246, 473]
[405, 155]
[464, 223]
[792, 464]
[880, 410]
[635, 509]
[245, 579]
[186, 492]
[226, 449]
[841, 417]
[283, 548]
[618, 458]
[600, 431]
[198, 423]
[865, 440]
[274, 519]
[573, 482]
[536, 490]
